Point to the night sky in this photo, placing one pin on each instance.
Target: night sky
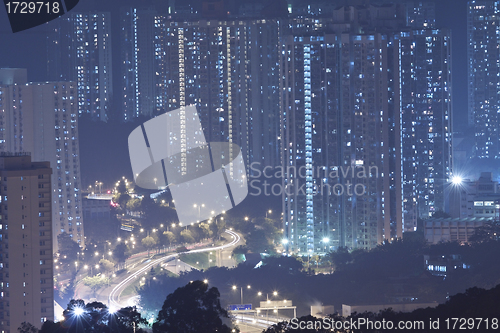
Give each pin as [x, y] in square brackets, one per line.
[27, 49]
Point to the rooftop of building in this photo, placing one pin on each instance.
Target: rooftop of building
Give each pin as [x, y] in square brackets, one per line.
[458, 219]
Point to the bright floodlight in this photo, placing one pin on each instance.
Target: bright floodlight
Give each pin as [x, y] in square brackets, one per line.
[456, 180]
[284, 241]
[79, 311]
[326, 240]
[112, 310]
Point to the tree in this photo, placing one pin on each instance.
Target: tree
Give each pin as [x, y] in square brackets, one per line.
[192, 309]
[218, 228]
[50, 327]
[95, 317]
[147, 203]
[258, 242]
[122, 188]
[340, 258]
[148, 242]
[187, 236]
[133, 204]
[120, 252]
[240, 249]
[128, 321]
[122, 200]
[169, 235]
[315, 258]
[489, 231]
[205, 229]
[290, 264]
[68, 248]
[95, 282]
[106, 265]
[27, 328]
[66, 291]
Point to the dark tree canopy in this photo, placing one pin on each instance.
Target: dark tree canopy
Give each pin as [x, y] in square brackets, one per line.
[121, 252]
[192, 309]
[68, 248]
[290, 264]
[95, 317]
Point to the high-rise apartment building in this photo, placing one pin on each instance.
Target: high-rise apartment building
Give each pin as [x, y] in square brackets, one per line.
[138, 62]
[42, 118]
[342, 150]
[483, 29]
[79, 49]
[364, 60]
[426, 109]
[26, 265]
[230, 70]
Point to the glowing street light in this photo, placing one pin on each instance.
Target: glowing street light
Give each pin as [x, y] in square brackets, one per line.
[241, 290]
[456, 180]
[78, 311]
[199, 209]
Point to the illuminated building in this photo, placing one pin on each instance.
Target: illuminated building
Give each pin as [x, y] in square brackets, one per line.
[483, 18]
[26, 262]
[42, 119]
[79, 50]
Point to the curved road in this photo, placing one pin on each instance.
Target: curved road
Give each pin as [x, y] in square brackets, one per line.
[114, 295]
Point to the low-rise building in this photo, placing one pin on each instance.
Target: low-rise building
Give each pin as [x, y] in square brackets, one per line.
[348, 310]
[437, 230]
[442, 265]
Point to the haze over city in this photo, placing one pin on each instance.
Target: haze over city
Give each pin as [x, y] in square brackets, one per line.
[249, 166]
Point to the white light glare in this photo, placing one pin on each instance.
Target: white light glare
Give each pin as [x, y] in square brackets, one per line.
[457, 180]
[79, 311]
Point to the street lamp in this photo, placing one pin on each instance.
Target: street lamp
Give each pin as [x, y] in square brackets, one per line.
[269, 211]
[199, 209]
[91, 267]
[326, 240]
[78, 311]
[456, 180]
[241, 290]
